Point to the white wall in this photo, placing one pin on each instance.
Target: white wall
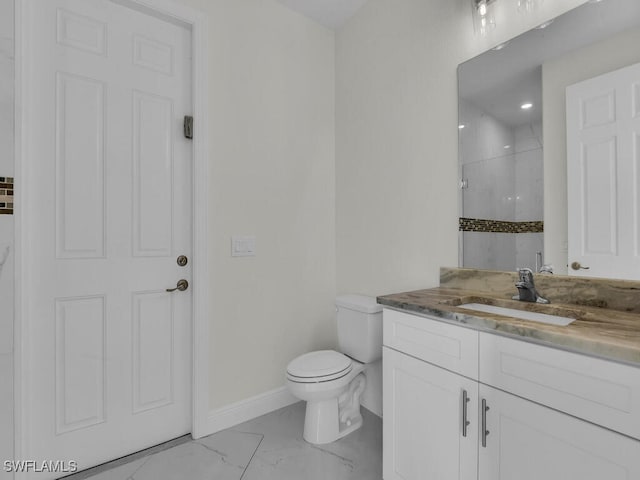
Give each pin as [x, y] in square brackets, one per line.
[6, 230]
[396, 136]
[588, 62]
[272, 175]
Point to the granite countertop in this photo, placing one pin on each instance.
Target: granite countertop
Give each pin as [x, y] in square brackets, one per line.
[603, 332]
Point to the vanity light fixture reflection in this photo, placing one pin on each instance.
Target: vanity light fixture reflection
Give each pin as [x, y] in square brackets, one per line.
[483, 17]
[526, 6]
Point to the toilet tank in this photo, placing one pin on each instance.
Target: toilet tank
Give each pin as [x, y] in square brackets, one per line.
[359, 321]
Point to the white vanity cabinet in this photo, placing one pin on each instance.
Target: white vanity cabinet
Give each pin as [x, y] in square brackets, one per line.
[460, 404]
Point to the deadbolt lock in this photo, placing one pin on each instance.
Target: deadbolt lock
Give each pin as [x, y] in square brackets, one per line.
[182, 260]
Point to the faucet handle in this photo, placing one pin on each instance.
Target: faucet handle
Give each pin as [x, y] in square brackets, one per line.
[546, 268]
[525, 274]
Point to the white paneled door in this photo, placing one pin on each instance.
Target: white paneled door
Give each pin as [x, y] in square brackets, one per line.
[109, 353]
[603, 168]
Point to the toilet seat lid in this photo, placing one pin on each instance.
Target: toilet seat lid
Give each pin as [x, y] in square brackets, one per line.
[323, 365]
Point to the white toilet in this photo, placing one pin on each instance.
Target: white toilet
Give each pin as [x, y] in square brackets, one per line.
[332, 382]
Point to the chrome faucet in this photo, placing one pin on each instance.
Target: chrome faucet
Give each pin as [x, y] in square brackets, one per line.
[526, 289]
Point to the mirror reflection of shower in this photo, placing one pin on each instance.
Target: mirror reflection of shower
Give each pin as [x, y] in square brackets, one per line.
[501, 168]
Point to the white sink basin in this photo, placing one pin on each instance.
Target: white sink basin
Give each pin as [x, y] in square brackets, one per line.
[521, 314]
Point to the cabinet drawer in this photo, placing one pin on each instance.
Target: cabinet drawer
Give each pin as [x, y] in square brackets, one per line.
[448, 346]
[600, 391]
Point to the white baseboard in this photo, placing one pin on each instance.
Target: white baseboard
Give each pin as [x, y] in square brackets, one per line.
[247, 409]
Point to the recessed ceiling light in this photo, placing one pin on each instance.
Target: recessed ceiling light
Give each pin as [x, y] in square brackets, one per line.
[526, 106]
[460, 126]
[507, 147]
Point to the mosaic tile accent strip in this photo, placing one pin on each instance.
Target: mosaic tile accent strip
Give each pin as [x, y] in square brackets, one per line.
[6, 195]
[499, 226]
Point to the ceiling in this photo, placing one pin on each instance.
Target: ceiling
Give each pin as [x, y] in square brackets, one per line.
[330, 13]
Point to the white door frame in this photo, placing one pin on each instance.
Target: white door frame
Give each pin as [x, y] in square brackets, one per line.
[23, 209]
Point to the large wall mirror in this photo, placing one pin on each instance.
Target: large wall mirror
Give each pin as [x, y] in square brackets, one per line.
[512, 133]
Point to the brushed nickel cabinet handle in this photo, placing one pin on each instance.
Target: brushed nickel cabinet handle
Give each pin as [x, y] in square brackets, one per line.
[465, 421]
[485, 432]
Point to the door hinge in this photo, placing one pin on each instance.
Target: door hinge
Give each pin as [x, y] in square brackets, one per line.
[188, 126]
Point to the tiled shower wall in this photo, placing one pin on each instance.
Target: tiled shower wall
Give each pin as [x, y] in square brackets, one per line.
[488, 166]
[530, 191]
[489, 169]
[6, 231]
[503, 167]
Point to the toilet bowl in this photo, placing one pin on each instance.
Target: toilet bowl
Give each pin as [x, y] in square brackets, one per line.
[331, 382]
[332, 392]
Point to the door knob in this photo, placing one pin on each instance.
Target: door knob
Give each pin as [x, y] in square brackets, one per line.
[577, 266]
[182, 285]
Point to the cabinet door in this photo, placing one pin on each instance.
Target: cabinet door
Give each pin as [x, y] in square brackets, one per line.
[527, 441]
[423, 427]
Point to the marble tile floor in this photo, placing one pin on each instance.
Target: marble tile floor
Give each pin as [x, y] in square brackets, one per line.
[265, 448]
